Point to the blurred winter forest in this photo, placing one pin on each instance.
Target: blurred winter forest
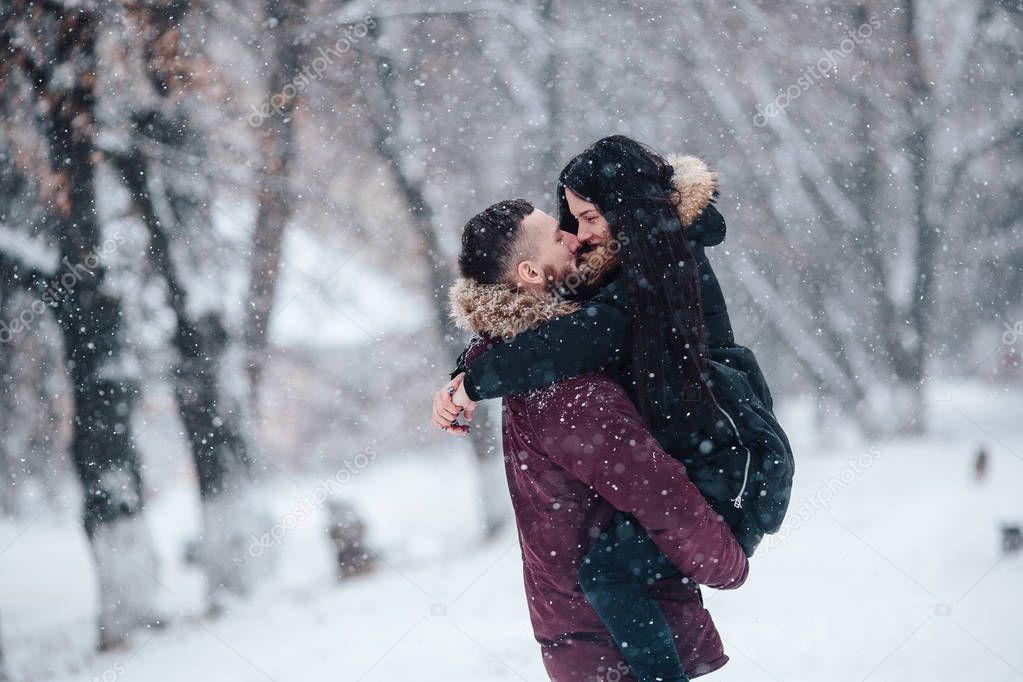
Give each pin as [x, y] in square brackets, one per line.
[227, 228]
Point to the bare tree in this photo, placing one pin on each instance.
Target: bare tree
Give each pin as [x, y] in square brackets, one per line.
[8, 487]
[3, 667]
[282, 54]
[53, 49]
[861, 333]
[379, 85]
[175, 210]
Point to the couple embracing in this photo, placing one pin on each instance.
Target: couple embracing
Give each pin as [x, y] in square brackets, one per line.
[642, 453]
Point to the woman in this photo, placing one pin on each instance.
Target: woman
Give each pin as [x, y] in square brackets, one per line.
[703, 397]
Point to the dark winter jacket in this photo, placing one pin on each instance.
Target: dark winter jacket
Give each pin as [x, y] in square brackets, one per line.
[575, 452]
[597, 337]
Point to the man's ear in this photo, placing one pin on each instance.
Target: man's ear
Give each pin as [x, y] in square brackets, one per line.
[529, 274]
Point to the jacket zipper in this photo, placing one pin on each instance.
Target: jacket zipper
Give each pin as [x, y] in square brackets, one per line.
[737, 500]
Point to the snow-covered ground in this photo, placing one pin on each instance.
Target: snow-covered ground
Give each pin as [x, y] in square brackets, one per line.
[893, 571]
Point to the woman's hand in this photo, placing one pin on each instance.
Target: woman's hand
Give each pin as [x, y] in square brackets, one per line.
[446, 410]
[462, 400]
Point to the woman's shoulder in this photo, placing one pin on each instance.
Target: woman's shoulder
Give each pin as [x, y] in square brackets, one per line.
[708, 229]
[612, 293]
[609, 300]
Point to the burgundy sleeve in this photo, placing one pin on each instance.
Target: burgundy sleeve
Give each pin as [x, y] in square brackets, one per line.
[595, 433]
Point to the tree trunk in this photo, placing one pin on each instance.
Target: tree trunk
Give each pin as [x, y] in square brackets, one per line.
[878, 414]
[386, 124]
[3, 666]
[212, 413]
[911, 368]
[8, 489]
[213, 423]
[275, 209]
[550, 158]
[8, 492]
[918, 146]
[89, 314]
[482, 433]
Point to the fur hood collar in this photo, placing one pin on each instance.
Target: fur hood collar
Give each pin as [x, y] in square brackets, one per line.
[504, 310]
[696, 185]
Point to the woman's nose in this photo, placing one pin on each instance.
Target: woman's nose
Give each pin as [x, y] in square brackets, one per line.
[573, 242]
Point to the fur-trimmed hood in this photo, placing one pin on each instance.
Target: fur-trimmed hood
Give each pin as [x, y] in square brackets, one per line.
[696, 185]
[504, 310]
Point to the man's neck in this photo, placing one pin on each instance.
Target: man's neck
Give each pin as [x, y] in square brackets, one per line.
[531, 288]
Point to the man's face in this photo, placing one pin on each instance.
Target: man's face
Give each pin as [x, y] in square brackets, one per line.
[551, 252]
[593, 229]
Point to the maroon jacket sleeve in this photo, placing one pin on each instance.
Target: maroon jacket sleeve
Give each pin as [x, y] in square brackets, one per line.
[592, 429]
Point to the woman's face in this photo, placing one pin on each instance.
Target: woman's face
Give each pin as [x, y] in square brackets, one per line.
[593, 229]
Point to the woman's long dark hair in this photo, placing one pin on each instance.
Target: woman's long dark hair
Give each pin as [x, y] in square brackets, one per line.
[632, 186]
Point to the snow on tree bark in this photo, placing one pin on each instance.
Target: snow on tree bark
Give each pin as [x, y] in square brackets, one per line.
[379, 86]
[62, 73]
[8, 489]
[3, 667]
[283, 53]
[217, 418]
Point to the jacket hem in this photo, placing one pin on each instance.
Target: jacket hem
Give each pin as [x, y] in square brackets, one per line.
[707, 668]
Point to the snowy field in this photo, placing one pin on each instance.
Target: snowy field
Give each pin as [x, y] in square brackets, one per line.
[893, 572]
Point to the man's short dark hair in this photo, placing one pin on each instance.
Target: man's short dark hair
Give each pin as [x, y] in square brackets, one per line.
[490, 239]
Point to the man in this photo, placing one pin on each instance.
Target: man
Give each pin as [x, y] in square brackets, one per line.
[749, 486]
[575, 452]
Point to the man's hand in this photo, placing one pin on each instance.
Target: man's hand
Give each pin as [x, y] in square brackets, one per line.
[446, 411]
